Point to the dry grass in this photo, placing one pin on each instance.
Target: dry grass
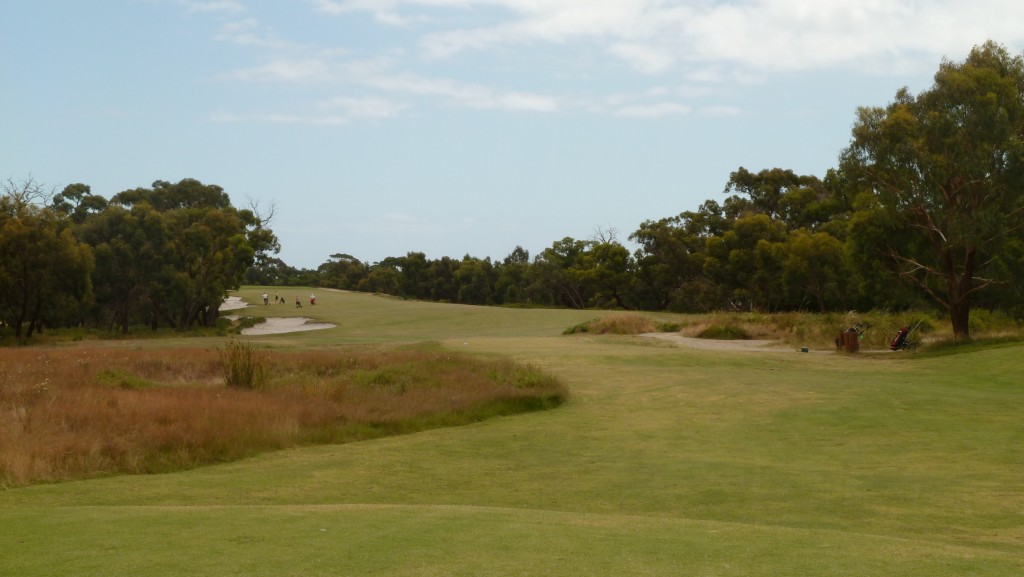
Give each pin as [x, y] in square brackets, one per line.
[819, 330]
[82, 412]
[617, 324]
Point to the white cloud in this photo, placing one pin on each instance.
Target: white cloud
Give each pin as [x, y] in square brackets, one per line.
[472, 95]
[288, 70]
[653, 36]
[367, 107]
[709, 48]
[720, 110]
[232, 6]
[249, 32]
[656, 110]
[279, 118]
[644, 58]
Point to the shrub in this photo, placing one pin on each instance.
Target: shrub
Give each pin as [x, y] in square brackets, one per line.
[729, 332]
[579, 328]
[249, 322]
[243, 366]
[122, 379]
[618, 324]
[668, 327]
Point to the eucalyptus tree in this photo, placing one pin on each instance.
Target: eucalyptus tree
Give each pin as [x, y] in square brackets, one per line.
[44, 269]
[942, 174]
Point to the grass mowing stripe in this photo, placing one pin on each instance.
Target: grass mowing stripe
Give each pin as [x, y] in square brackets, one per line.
[418, 541]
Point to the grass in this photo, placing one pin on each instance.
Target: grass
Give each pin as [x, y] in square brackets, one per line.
[666, 461]
[84, 412]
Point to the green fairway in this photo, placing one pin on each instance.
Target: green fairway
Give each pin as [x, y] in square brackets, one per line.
[665, 461]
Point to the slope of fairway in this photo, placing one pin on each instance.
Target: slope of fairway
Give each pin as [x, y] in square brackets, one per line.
[666, 461]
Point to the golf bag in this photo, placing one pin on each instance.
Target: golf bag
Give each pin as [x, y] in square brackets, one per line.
[900, 342]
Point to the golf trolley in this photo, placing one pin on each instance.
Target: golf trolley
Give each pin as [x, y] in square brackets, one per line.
[902, 341]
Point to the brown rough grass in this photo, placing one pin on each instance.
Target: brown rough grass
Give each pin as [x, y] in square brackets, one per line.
[82, 412]
[622, 324]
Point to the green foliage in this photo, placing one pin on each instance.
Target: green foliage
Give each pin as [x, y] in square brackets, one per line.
[668, 327]
[244, 365]
[44, 269]
[724, 332]
[945, 169]
[249, 322]
[167, 255]
[583, 327]
[122, 379]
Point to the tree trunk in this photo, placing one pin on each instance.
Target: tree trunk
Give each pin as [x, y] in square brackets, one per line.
[960, 315]
[960, 298]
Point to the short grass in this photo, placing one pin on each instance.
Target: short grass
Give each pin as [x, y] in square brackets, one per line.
[666, 461]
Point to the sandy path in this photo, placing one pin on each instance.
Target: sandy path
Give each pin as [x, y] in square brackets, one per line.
[721, 345]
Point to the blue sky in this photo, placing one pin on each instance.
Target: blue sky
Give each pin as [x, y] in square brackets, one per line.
[454, 127]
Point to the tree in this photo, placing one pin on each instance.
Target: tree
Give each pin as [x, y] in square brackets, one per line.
[554, 277]
[511, 277]
[343, 271]
[746, 263]
[187, 244]
[131, 248]
[44, 269]
[814, 268]
[945, 171]
[475, 280]
[78, 202]
[669, 265]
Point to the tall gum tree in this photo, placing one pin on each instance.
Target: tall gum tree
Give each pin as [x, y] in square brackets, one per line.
[943, 172]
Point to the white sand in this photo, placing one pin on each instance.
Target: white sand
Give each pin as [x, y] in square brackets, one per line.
[273, 326]
[233, 303]
[277, 326]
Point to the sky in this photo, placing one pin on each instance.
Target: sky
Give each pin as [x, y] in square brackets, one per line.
[375, 128]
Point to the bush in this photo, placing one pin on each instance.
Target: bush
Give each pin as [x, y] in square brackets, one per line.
[580, 328]
[122, 379]
[619, 324]
[243, 366]
[249, 322]
[728, 332]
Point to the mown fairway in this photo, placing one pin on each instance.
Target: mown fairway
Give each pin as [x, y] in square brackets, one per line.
[665, 461]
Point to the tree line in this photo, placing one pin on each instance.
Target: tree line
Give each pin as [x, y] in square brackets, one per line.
[925, 208]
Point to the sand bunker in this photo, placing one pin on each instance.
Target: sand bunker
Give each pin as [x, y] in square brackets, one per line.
[276, 326]
[272, 326]
[233, 303]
